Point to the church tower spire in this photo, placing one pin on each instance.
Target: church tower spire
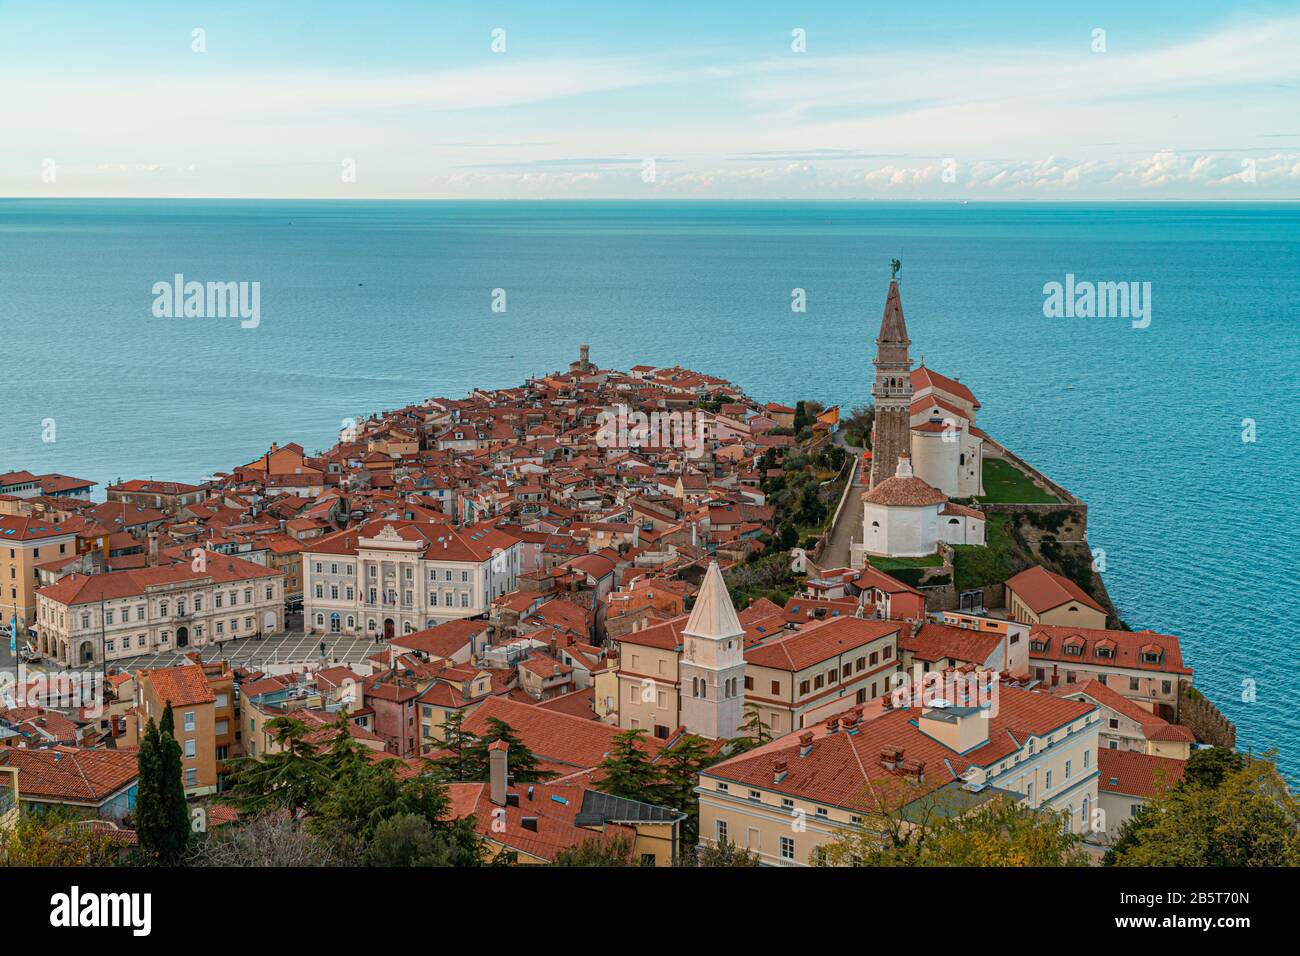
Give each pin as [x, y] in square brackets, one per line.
[892, 391]
[713, 662]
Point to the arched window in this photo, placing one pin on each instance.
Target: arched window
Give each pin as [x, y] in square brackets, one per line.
[954, 521]
[875, 524]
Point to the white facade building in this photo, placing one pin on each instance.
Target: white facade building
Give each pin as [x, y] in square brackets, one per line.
[398, 577]
[904, 516]
[210, 599]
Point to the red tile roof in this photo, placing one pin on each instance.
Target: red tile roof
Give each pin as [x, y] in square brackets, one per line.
[1134, 774]
[1043, 590]
[562, 742]
[820, 641]
[933, 642]
[844, 769]
[1125, 648]
[182, 686]
[71, 774]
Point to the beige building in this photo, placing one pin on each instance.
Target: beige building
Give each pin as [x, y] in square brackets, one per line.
[26, 542]
[786, 800]
[1144, 666]
[794, 678]
[688, 671]
[1038, 596]
[210, 599]
[1126, 725]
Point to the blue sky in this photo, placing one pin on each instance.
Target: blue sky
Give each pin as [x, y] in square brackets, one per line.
[1187, 100]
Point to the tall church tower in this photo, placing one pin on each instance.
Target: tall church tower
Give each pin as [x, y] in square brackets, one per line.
[892, 391]
[712, 664]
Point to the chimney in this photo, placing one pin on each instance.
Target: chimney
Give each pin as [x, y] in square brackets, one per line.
[805, 743]
[498, 760]
[780, 770]
[833, 725]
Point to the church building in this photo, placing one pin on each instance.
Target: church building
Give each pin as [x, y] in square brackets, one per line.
[919, 412]
[925, 450]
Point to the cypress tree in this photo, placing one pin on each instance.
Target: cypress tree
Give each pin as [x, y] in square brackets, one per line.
[174, 816]
[148, 797]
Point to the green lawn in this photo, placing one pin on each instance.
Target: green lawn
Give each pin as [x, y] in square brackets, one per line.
[975, 566]
[893, 564]
[1004, 483]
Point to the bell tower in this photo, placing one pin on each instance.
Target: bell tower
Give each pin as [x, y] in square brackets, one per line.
[712, 665]
[892, 391]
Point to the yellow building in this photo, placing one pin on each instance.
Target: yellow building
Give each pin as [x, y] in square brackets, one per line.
[1037, 596]
[27, 542]
[786, 800]
[193, 704]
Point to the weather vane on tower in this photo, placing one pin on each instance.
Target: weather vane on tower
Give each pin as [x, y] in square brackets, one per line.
[895, 267]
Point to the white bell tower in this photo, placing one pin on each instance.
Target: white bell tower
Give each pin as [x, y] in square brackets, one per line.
[713, 662]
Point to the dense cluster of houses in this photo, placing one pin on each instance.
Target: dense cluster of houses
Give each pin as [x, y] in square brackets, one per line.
[553, 556]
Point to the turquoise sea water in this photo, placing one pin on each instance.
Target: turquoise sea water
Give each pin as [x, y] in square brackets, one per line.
[371, 305]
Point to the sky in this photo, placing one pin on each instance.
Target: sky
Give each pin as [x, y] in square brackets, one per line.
[708, 99]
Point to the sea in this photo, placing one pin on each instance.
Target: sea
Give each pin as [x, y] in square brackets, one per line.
[1180, 429]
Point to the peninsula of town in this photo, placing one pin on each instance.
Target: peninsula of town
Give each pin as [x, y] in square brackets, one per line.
[601, 618]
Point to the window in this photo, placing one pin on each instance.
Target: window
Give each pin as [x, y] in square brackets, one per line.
[776, 686]
[1047, 781]
[1087, 756]
[191, 777]
[803, 687]
[722, 831]
[189, 749]
[1133, 683]
[787, 848]
[1069, 768]
[189, 721]
[756, 796]
[787, 804]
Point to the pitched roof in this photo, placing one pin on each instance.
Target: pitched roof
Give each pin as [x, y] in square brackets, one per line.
[91, 588]
[1119, 648]
[71, 774]
[561, 742]
[1042, 590]
[714, 616]
[819, 642]
[892, 326]
[922, 377]
[904, 491]
[844, 769]
[182, 686]
[933, 642]
[1135, 774]
[1154, 727]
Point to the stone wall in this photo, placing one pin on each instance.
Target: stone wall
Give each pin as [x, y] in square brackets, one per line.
[1197, 713]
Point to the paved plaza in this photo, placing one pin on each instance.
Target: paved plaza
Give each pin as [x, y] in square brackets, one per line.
[292, 647]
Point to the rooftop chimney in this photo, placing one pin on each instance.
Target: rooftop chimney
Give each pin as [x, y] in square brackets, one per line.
[780, 770]
[805, 743]
[498, 760]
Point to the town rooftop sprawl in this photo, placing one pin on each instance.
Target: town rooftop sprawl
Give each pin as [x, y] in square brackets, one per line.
[833, 602]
